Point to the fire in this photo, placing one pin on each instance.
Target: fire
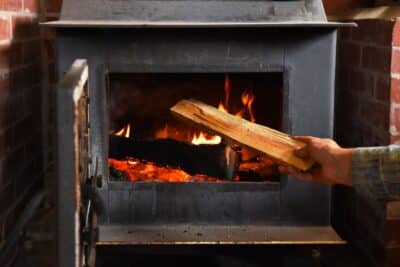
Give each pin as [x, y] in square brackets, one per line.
[247, 98]
[222, 108]
[251, 167]
[202, 138]
[136, 170]
[205, 139]
[125, 131]
[227, 89]
[247, 101]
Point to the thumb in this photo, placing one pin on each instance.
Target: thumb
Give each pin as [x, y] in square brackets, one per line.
[302, 152]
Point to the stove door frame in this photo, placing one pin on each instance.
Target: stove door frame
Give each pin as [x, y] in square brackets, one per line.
[72, 161]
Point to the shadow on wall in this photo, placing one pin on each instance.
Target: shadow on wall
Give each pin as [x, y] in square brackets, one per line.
[334, 7]
[22, 70]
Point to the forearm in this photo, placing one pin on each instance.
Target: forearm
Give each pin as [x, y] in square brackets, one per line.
[376, 171]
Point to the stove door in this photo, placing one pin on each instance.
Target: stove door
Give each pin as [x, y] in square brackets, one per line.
[74, 212]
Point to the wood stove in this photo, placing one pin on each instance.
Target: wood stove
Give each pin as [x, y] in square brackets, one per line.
[168, 50]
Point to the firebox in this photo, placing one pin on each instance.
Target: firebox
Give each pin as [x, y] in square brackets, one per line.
[129, 169]
[142, 132]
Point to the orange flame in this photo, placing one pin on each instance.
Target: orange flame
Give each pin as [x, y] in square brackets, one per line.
[222, 107]
[247, 101]
[227, 89]
[247, 98]
[163, 132]
[202, 138]
[125, 131]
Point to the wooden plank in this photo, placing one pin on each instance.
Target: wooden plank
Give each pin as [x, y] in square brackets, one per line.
[276, 145]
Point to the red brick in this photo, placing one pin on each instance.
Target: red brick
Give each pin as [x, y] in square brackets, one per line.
[396, 61]
[4, 56]
[382, 89]
[375, 31]
[377, 250]
[18, 80]
[19, 132]
[377, 114]
[5, 143]
[31, 5]
[377, 59]
[24, 28]
[4, 83]
[349, 54]
[393, 231]
[393, 210]
[395, 140]
[392, 256]
[49, 34]
[11, 219]
[10, 55]
[395, 119]
[345, 33]
[362, 82]
[384, 32]
[10, 5]
[49, 49]
[362, 133]
[396, 33]
[5, 33]
[31, 51]
[53, 6]
[365, 31]
[395, 91]
[7, 197]
[14, 162]
[381, 137]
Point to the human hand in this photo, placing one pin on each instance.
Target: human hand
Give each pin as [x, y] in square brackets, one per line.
[333, 162]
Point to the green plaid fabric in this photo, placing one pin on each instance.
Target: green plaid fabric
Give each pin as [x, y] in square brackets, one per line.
[376, 172]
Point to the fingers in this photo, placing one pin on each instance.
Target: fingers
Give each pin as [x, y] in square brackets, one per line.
[304, 176]
[305, 139]
[302, 152]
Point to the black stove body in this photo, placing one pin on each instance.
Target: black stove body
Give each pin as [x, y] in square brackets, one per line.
[289, 37]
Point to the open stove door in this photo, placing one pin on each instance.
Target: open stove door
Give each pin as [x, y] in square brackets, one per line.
[75, 216]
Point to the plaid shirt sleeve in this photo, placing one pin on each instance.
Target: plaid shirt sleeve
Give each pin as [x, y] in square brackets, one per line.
[376, 172]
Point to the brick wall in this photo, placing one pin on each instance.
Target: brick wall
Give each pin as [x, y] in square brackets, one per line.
[26, 64]
[368, 114]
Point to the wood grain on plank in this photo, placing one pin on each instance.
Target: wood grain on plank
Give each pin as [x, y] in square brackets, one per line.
[275, 144]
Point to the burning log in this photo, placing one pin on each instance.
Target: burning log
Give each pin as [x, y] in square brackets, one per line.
[213, 160]
[276, 145]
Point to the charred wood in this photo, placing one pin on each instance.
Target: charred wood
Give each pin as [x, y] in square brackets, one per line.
[213, 160]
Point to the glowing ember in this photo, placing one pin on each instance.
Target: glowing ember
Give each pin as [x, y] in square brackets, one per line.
[126, 131]
[136, 170]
